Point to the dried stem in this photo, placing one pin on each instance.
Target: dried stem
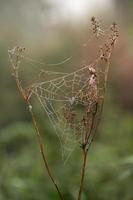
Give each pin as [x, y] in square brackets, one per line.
[93, 128]
[85, 153]
[82, 173]
[41, 146]
[101, 100]
[42, 151]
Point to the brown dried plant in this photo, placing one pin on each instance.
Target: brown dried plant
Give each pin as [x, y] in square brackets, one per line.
[80, 96]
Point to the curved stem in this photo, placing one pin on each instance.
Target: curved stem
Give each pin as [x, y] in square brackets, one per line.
[46, 165]
[42, 151]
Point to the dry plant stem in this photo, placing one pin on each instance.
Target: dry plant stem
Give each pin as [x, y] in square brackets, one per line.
[46, 165]
[106, 75]
[42, 152]
[85, 152]
[93, 126]
[82, 173]
[103, 99]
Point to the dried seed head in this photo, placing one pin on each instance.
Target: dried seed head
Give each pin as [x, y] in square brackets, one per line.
[93, 19]
[15, 56]
[92, 80]
[114, 33]
[16, 51]
[92, 70]
[96, 27]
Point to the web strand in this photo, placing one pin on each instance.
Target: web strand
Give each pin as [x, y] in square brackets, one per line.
[57, 94]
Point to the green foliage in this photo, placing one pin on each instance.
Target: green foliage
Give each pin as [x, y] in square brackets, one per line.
[109, 171]
[22, 176]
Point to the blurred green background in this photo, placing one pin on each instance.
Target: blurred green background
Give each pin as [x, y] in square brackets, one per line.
[52, 31]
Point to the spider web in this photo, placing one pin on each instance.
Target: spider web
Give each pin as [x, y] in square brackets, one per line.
[59, 96]
[70, 99]
[64, 95]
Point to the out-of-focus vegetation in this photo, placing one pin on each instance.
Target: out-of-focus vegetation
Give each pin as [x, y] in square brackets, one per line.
[110, 161]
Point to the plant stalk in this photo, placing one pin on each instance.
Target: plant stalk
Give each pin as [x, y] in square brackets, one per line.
[46, 165]
[42, 152]
[82, 173]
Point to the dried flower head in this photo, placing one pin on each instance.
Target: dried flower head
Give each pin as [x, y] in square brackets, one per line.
[97, 30]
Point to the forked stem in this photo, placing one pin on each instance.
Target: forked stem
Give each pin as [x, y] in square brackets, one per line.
[93, 130]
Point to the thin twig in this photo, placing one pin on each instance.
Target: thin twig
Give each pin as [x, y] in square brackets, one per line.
[101, 102]
[42, 151]
[46, 165]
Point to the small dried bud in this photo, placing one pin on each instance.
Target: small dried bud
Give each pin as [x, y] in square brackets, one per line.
[93, 19]
[92, 70]
[92, 80]
[16, 51]
[30, 107]
[96, 27]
